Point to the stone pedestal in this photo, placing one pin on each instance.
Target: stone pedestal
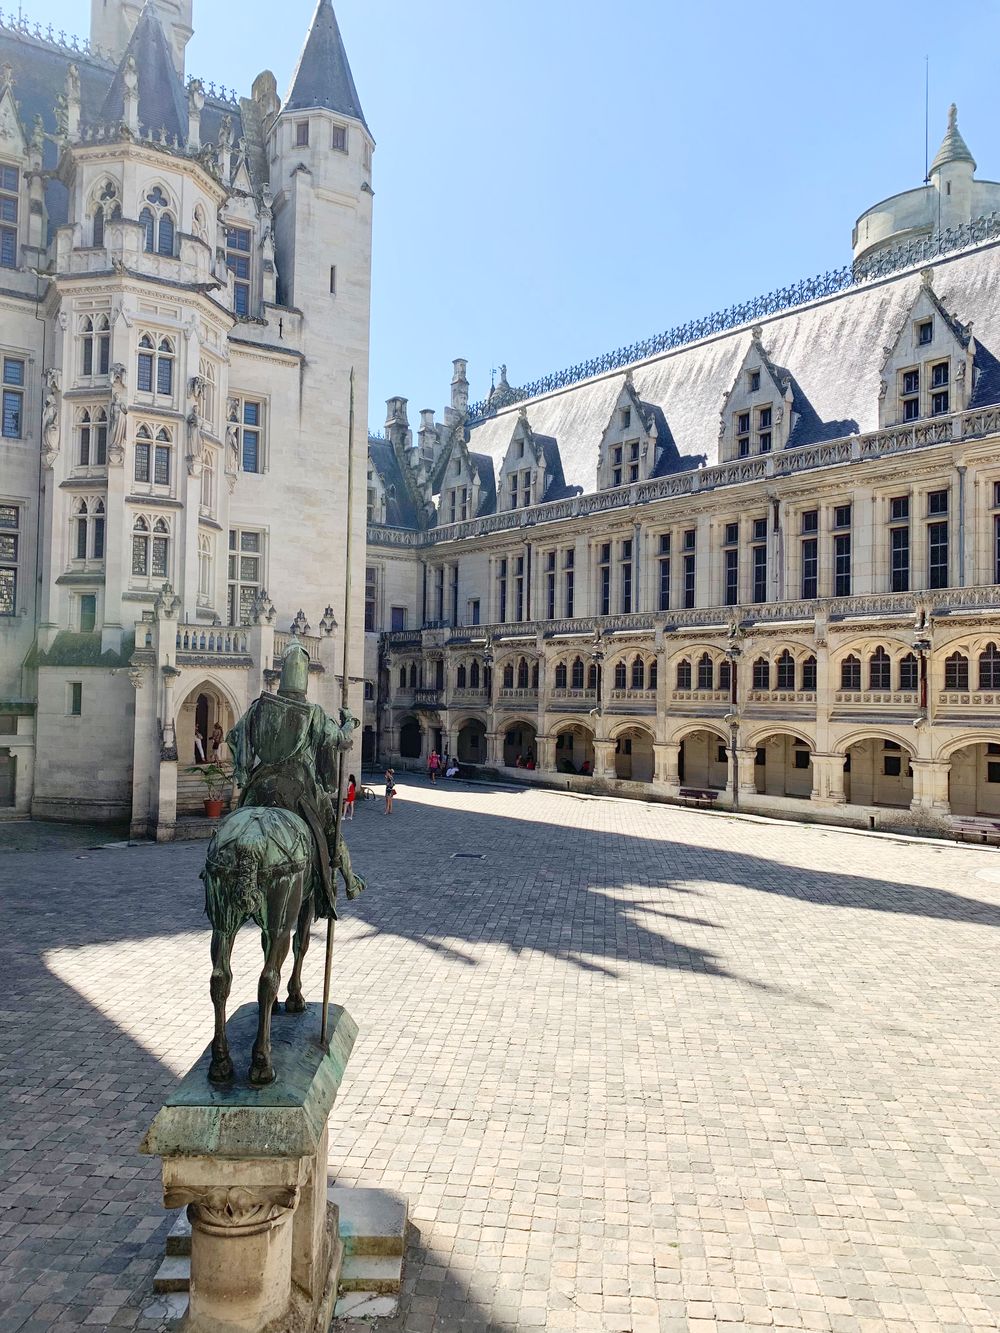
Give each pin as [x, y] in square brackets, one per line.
[250, 1165]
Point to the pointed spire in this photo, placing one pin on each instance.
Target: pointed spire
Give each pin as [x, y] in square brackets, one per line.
[953, 146]
[323, 76]
[162, 99]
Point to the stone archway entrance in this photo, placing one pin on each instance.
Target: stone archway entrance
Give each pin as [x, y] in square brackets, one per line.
[703, 761]
[877, 772]
[410, 739]
[974, 780]
[783, 766]
[575, 749]
[203, 708]
[634, 755]
[519, 739]
[472, 742]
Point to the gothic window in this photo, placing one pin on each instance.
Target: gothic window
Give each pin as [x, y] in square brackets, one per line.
[206, 563]
[621, 676]
[208, 479]
[206, 371]
[850, 673]
[474, 676]
[522, 674]
[10, 202]
[809, 676]
[106, 205]
[706, 672]
[413, 675]
[592, 677]
[247, 415]
[956, 672]
[92, 437]
[909, 675]
[95, 346]
[153, 455]
[88, 535]
[786, 671]
[461, 676]
[577, 673]
[638, 674]
[725, 675]
[158, 228]
[989, 668]
[762, 674]
[155, 365]
[684, 675]
[10, 550]
[150, 549]
[402, 677]
[879, 670]
[534, 675]
[508, 676]
[561, 676]
[238, 248]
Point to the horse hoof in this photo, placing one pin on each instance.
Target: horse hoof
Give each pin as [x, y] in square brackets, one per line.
[221, 1071]
[295, 1004]
[261, 1074]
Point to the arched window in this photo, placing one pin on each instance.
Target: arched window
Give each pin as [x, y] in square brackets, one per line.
[88, 529]
[621, 676]
[522, 674]
[989, 668]
[809, 676]
[725, 675]
[474, 676]
[577, 677]
[561, 676]
[638, 674]
[880, 670]
[534, 675]
[106, 205]
[208, 479]
[786, 671]
[147, 221]
[402, 677]
[150, 548]
[165, 367]
[205, 562]
[653, 673]
[152, 457]
[684, 675]
[909, 674]
[706, 672]
[413, 675]
[956, 672]
[165, 235]
[461, 677]
[155, 365]
[850, 673]
[762, 674]
[508, 676]
[95, 346]
[592, 677]
[206, 371]
[158, 229]
[92, 442]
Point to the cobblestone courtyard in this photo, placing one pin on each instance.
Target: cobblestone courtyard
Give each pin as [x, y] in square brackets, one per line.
[638, 1069]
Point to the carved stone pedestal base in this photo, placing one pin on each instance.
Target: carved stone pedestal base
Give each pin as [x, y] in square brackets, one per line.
[250, 1165]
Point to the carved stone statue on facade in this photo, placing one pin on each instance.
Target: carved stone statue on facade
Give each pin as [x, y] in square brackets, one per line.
[273, 861]
[50, 419]
[195, 462]
[118, 417]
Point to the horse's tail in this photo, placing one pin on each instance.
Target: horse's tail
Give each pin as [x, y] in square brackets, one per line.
[233, 893]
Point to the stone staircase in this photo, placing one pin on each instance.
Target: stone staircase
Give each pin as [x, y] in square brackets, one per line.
[372, 1230]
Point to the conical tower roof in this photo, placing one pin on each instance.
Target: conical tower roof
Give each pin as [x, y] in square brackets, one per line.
[162, 101]
[323, 76]
[953, 146]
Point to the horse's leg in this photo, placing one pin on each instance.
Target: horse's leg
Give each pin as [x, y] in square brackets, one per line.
[261, 1070]
[295, 1004]
[265, 945]
[221, 1068]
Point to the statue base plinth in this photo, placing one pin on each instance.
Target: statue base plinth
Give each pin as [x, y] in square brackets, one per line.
[250, 1164]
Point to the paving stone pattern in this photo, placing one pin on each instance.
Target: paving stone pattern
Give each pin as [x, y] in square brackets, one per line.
[640, 1069]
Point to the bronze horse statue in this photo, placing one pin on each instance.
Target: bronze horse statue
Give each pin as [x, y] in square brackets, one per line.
[273, 861]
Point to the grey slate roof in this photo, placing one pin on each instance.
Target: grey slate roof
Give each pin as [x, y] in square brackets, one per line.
[483, 465]
[323, 76]
[953, 146]
[400, 510]
[832, 348]
[162, 100]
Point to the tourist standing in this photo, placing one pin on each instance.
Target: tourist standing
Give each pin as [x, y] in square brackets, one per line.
[352, 791]
[434, 766]
[199, 745]
[390, 790]
[218, 736]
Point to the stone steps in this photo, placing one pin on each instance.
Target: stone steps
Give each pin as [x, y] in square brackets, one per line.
[372, 1229]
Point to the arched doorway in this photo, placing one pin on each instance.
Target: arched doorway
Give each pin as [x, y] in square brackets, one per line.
[634, 755]
[783, 766]
[204, 707]
[974, 780]
[472, 742]
[703, 761]
[519, 739]
[410, 739]
[877, 772]
[575, 749]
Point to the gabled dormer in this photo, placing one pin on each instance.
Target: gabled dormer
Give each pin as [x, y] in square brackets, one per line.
[14, 153]
[758, 412]
[929, 370]
[633, 441]
[531, 471]
[462, 492]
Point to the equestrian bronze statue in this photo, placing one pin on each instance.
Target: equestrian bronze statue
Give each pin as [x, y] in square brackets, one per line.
[274, 860]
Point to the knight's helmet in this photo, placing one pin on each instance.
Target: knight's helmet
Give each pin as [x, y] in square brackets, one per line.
[294, 673]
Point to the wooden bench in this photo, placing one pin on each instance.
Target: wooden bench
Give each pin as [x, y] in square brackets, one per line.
[977, 830]
[698, 796]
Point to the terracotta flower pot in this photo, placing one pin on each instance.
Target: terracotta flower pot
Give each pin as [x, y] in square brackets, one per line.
[214, 808]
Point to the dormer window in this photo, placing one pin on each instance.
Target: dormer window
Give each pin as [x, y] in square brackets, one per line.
[764, 430]
[940, 397]
[626, 418]
[742, 434]
[10, 193]
[754, 381]
[925, 332]
[909, 395]
[238, 242]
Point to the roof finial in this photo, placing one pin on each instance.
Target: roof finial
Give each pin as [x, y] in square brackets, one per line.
[953, 117]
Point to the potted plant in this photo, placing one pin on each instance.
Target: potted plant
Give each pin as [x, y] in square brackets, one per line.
[215, 777]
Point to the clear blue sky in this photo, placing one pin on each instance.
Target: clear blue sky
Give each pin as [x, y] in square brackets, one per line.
[557, 178]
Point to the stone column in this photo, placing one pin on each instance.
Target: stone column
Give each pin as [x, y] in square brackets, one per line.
[667, 757]
[828, 778]
[930, 785]
[494, 748]
[546, 758]
[746, 760]
[604, 759]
